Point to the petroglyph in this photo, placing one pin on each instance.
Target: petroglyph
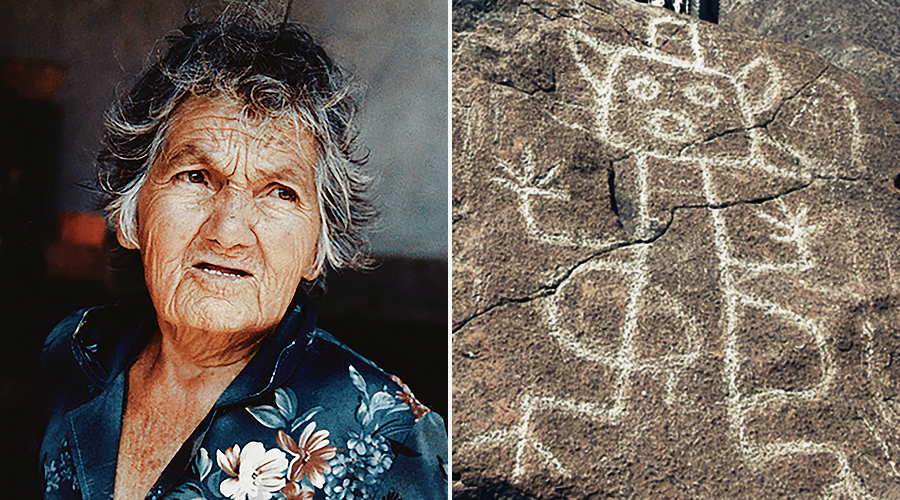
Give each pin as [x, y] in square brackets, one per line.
[521, 436]
[527, 184]
[563, 320]
[726, 151]
[644, 89]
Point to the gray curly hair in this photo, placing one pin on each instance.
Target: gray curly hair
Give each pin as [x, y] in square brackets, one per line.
[275, 70]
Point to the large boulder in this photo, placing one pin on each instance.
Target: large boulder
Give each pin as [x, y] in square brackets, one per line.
[862, 38]
[675, 262]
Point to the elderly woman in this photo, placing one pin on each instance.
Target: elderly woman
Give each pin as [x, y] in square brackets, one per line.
[230, 166]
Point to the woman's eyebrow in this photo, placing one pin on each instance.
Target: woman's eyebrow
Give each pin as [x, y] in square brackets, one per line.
[293, 173]
[190, 151]
[185, 153]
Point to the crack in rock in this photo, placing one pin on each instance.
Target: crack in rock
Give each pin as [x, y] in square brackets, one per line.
[551, 288]
[621, 26]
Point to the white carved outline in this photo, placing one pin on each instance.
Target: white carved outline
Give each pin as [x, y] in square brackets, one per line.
[855, 135]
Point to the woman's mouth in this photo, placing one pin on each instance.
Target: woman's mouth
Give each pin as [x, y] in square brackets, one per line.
[221, 271]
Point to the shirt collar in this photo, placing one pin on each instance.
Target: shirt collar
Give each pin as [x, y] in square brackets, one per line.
[277, 357]
[109, 338]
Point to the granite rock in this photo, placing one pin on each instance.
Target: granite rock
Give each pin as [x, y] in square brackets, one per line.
[862, 38]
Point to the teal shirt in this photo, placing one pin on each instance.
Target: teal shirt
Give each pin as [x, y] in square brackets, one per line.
[307, 418]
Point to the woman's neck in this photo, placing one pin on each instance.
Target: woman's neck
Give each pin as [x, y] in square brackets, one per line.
[171, 387]
[190, 349]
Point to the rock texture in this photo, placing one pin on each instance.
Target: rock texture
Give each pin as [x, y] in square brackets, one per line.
[674, 259]
[862, 38]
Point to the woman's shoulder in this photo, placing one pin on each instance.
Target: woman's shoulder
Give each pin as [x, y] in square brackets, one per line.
[341, 363]
[337, 371]
[60, 367]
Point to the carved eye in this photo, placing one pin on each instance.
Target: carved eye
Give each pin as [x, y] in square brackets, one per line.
[643, 88]
[703, 95]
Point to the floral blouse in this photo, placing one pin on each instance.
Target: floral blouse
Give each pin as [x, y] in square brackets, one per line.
[307, 418]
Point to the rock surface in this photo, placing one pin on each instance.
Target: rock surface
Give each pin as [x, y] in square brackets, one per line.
[674, 255]
[862, 38]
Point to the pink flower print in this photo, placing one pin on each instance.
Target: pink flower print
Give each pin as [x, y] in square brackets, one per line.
[296, 491]
[311, 454]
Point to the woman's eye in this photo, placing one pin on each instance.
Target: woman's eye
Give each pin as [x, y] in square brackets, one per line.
[285, 193]
[195, 176]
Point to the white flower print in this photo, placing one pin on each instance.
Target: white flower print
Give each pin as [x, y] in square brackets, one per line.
[256, 473]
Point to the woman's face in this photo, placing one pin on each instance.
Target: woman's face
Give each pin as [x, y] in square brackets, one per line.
[228, 220]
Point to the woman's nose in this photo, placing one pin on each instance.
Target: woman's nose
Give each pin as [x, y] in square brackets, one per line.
[230, 222]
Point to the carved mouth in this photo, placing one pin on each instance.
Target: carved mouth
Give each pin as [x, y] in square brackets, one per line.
[221, 271]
